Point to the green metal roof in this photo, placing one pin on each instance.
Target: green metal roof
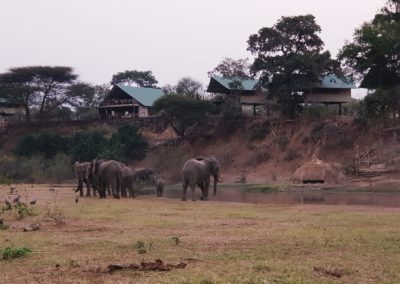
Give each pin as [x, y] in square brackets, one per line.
[145, 96]
[247, 84]
[334, 82]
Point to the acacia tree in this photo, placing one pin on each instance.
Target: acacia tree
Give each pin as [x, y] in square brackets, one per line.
[183, 112]
[43, 88]
[144, 79]
[189, 87]
[374, 58]
[290, 59]
[232, 69]
[237, 71]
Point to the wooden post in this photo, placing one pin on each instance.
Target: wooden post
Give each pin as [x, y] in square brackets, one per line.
[254, 110]
[340, 108]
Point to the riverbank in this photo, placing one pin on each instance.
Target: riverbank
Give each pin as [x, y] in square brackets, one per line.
[220, 242]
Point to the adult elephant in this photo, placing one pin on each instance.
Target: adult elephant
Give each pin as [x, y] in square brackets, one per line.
[108, 176]
[82, 174]
[128, 179]
[198, 171]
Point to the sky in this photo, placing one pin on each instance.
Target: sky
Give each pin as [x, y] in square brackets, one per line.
[172, 38]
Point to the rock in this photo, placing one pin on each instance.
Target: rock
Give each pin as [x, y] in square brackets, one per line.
[32, 227]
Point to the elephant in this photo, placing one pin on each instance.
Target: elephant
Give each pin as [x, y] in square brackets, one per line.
[82, 174]
[127, 180]
[198, 171]
[107, 175]
[159, 182]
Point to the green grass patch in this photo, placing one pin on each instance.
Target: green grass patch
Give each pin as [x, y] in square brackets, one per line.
[266, 188]
[14, 252]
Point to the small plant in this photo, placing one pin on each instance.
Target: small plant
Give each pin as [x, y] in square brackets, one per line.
[23, 210]
[176, 239]
[56, 214]
[291, 155]
[143, 247]
[3, 226]
[14, 252]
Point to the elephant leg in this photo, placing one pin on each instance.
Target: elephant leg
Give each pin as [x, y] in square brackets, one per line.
[132, 192]
[206, 187]
[203, 191]
[123, 191]
[192, 193]
[87, 187]
[184, 188]
[114, 187]
[108, 190]
[80, 187]
[161, 190]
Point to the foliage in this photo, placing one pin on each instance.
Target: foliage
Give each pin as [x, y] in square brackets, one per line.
[86, 146]
[289, 59]
[377, 104]
[374, 54]
[189, 87]
[43, 88]
[15, 252]
[143, 247]
[43, 143]
[126, 144]
[258, 132]
[183, 112]
[144, 79]
[231, 68]
[291, 155]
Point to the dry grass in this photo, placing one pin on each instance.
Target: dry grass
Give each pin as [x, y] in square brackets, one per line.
[220, 242]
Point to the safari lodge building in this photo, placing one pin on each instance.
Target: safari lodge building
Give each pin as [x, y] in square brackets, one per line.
[330, 90]
[126, 102]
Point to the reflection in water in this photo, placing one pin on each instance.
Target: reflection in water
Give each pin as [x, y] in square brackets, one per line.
[298, 197]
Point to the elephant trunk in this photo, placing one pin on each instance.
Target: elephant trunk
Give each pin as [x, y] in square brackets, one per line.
[215, 184]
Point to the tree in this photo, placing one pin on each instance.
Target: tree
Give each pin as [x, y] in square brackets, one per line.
[231, 68]
[144, 79]
[43, 88]
[182, 112]
[289, 59]
[169, 89]
[189, 87]
[374, 58]
[374, 53]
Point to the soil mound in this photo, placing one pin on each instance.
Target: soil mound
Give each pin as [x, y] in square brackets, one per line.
[319, 171]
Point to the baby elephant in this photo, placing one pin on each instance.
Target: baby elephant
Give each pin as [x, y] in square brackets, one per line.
[159, 183]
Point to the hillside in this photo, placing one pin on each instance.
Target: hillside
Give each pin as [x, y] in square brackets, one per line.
[260, 150]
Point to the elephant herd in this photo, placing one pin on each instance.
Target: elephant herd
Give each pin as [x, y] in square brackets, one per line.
[114, 178]
[118, 180]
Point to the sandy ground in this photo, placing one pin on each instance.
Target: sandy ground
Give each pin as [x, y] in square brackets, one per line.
[220, 242]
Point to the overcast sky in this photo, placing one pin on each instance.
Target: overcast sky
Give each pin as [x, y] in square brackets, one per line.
[172, 38]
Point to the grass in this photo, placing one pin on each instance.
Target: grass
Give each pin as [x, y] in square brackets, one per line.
[266, 188]
[221, 242]
[14, 252]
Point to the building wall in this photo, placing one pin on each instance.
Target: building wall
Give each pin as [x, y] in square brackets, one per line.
[12, 110]
[258, 99]
[341, 96]
[143, 111]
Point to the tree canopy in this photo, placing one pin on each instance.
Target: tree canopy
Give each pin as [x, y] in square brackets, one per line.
[43, 88]
[183, 112]
[290, 59]
[374, 54]
[189, 87]
[144, 79]
[232, 69]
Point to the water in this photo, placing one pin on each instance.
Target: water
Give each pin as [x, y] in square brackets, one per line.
[322, 197]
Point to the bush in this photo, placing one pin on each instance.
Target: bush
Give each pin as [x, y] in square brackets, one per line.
[291, 155]
[43, 143]
[86, 146]
[258, 132]
[14, 252]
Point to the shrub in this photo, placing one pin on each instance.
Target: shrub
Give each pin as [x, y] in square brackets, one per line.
[282, 142]
[86, 146]
[291, 155]
[14, 252]
[43, 143]
[258, 132]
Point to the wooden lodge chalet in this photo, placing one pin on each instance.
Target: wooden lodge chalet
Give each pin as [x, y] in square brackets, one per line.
[126, 102]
